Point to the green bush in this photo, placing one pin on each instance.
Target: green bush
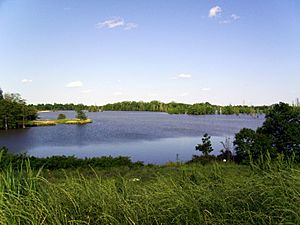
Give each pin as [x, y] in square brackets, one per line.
[61, 116]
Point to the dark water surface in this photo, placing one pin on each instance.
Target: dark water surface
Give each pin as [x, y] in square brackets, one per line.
[147, 136]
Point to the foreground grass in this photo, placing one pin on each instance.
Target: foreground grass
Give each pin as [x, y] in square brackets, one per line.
[55, 122]
[183, 194]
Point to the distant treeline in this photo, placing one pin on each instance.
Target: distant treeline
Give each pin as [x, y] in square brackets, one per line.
[181, 108]
[156, 106]
[60, 107]
[14, 112]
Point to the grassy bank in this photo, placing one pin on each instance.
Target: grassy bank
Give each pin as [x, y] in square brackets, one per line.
[36, 123]
[217, 193]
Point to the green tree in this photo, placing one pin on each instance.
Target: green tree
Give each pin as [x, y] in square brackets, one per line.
[279, 134]
[80, 115]
[282, 126]
[14, 112]
[250, 144]
[205, 147]
[1, 94]
[61, 116]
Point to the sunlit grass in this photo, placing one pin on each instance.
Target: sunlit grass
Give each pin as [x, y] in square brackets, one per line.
[55, 122]
[182, 194]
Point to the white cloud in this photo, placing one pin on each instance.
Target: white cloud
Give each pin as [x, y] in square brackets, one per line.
[235, 17]
[205, 89]
[183, 76]
[74, 84]
[26, 81]
[111, 23]
[116, 22]
[214, 11]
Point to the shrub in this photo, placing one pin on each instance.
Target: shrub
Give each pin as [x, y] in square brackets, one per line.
[61, 116]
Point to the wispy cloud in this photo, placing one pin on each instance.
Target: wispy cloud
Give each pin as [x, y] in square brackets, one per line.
[129, 26]
[205, 89]
[116, 22]
[111, 23]
[232, 18]
[235, 17]
[182, 76]
[26, 81]
[214, 11]
[74, 84]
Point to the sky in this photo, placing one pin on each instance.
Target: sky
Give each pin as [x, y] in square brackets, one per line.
[104, 51]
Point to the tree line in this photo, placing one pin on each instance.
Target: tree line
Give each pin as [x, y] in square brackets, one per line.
[14, 112]
[60, 107]
[157, 106]
[181, 108]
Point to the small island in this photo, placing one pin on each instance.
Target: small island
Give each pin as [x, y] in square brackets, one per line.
[80, 119]
[37, 123]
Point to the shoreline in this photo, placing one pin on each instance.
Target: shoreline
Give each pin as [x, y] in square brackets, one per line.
[38, 123]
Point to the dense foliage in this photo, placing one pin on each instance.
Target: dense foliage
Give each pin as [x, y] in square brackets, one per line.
[80, 115]
[58, 107]
[64, 162]
[181, 108]
[61, 116]
[156, 106]
[66, 107]
[14, 112]
[279, 135]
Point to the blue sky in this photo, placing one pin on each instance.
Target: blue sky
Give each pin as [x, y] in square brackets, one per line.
[96, 52]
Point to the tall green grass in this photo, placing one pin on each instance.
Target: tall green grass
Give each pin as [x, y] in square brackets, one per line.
[182, 194]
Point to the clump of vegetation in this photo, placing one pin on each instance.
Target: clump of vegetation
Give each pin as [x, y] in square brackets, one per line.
[80, 115]
[279, 135]
[65, 162]
[61, 116]
[14, 112]
[205, 147]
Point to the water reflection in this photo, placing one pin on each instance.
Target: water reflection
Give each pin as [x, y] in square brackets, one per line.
[151, 137]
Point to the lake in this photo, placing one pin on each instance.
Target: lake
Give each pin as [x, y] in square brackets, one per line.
[147, 136]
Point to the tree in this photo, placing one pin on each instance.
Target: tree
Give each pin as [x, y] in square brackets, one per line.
[80, 115]
[282, 126]
[205, 147]
[279, 134]
[14, 112]
[251, 144]
[61, 116]
[226, 152]
[1, 94]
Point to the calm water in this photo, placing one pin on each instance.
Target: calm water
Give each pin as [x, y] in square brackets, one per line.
[147, 136]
